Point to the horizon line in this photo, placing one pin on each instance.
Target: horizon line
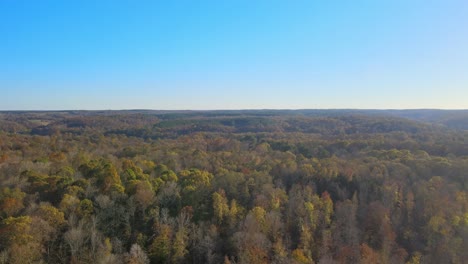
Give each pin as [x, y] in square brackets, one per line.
[238, 109]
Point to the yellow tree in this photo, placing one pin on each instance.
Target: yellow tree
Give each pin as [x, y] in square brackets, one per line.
[16, 237]
[220, 205]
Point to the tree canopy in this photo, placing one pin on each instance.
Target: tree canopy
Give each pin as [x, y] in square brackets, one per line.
[309, 186]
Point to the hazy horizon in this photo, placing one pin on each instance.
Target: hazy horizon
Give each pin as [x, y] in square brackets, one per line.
[240, 109]
[214, 55]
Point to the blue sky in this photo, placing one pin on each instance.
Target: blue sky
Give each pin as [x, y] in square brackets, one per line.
[233, 54]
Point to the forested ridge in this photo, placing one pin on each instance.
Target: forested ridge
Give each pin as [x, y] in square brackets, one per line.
[269, 186]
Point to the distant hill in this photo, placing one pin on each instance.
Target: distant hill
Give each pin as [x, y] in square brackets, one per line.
[332, 121]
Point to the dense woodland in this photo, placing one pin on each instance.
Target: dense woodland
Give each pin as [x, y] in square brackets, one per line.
[308, 186]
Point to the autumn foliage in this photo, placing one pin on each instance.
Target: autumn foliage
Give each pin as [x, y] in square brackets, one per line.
[232, 187]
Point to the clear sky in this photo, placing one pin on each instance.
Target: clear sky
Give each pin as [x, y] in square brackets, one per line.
[233, 54]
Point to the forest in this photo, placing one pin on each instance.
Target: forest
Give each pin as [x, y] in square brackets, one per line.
[253, 186]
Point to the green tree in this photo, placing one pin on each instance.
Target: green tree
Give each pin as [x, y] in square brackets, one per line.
[105, 175]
